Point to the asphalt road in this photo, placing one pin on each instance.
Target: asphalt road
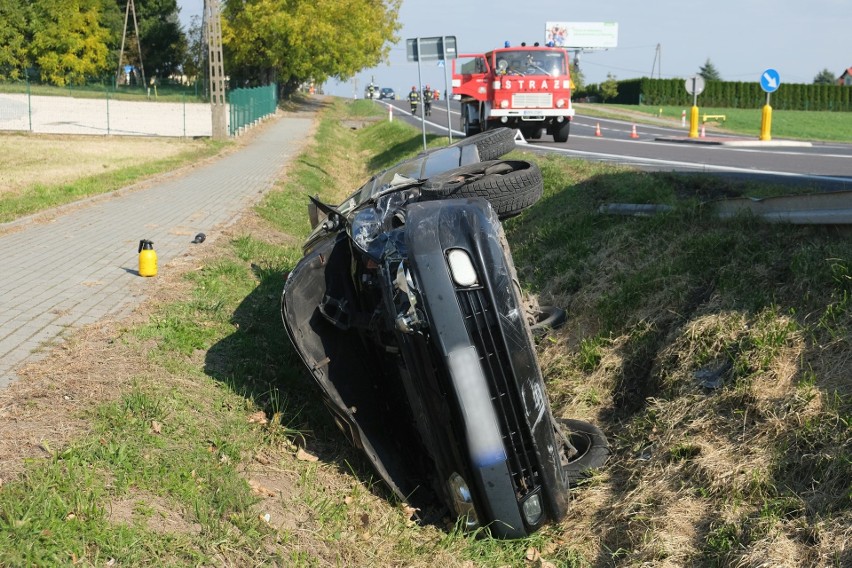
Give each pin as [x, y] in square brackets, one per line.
[827, 165]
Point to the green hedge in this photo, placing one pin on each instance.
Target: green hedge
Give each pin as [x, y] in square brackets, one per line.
[728, 94]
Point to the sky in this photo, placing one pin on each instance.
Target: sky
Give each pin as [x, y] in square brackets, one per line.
[742, 38]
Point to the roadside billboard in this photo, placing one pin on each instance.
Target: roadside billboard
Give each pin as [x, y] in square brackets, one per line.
[582, 35]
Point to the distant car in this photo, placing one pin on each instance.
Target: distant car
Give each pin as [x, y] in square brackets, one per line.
[387, 93]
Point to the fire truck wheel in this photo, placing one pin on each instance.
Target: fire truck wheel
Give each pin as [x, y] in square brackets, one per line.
[590, 443]
[560, 134]
[491, 144]
[469, 129]
[509, 185]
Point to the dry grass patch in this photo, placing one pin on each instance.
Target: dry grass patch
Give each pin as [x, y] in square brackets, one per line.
[28, 160]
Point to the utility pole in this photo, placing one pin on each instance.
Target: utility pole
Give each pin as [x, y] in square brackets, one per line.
[131, 7]
[658, 62]
[213, 34]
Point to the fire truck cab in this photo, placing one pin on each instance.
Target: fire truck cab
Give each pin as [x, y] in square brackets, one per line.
[526, 87]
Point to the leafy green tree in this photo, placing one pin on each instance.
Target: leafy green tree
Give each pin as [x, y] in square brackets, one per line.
[14, 56]
[163, 42]
[609, 88]
[69, 42]
[193, 61]
[294, 41]
[825, 77]
[709, 71]
[577, 77]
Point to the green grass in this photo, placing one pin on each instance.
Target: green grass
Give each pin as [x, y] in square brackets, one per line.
[651, 301]
[164, 93]
[793, 124]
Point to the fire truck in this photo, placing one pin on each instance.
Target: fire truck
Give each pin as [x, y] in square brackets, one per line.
[526, 87]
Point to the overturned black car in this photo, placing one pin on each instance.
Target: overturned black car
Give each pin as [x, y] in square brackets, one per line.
[407, 311]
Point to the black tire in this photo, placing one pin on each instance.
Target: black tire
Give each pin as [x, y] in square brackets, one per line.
[547, 318]
[509, 185]
[590, 443]
[490, 144]
[560, 133]
[469, 130]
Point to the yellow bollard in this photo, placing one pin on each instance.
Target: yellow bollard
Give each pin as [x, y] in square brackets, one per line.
[693, 122]
[766, 123]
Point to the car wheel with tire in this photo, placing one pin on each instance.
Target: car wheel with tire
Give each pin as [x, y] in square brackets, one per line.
[509, 185]
[592, 448]
[546, 318]
[491, 144]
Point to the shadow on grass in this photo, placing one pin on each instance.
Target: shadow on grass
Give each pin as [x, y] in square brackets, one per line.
[259, 362]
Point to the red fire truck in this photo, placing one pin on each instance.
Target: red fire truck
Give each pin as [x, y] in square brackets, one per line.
[526, 87]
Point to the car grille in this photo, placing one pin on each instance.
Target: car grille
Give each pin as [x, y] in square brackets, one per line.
[532, 100]
[484, 330]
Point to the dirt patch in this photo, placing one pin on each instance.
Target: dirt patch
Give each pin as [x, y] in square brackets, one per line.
[151, 511]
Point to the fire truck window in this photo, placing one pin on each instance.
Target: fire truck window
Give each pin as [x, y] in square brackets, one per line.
[502, 65]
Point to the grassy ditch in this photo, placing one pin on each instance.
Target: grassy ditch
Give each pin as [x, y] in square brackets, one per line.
[715, 355]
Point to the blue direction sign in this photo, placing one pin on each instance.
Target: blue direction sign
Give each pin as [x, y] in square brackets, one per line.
[770, 80]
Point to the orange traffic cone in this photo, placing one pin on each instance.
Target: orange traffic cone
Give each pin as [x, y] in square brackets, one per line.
[702, 130]
[633, 134]
[598, 130]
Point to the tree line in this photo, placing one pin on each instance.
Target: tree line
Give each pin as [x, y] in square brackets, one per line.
[289, 42]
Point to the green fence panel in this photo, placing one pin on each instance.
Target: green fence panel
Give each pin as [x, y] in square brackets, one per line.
[247, 106]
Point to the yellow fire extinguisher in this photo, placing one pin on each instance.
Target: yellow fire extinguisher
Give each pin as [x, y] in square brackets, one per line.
[147, 258]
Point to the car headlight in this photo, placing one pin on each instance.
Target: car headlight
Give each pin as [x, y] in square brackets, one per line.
[463, 500]
[461, 268]
[504, 103]
[560, 103]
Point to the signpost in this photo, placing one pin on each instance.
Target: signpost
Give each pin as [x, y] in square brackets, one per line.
[694, 86]
[440, 48]
[770, 80]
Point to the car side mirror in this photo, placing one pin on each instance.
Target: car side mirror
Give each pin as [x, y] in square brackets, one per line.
[313, 214]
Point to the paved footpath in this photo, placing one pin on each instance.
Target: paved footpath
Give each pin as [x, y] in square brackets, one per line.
[81, 265]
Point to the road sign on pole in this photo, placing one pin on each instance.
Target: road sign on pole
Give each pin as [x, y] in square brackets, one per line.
[694, 86]
[770, 80]
[439, 48]
[431, 48]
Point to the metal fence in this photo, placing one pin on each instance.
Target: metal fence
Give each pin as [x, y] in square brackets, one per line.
[105, 113]
[248, 106]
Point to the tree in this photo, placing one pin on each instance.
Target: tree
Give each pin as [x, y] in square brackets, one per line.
[14, 56]
[609, 88]
[193, 61]
[160, 36]
[709, 72]
[577, 77]
[69, 43]
[825, 77]
[294, 41]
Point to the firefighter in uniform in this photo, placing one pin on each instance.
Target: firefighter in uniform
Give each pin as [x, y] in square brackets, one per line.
[414, 98]
[428, 95]
[371, 91]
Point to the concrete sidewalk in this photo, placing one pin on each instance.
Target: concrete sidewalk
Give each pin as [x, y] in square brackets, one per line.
[81, 265]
